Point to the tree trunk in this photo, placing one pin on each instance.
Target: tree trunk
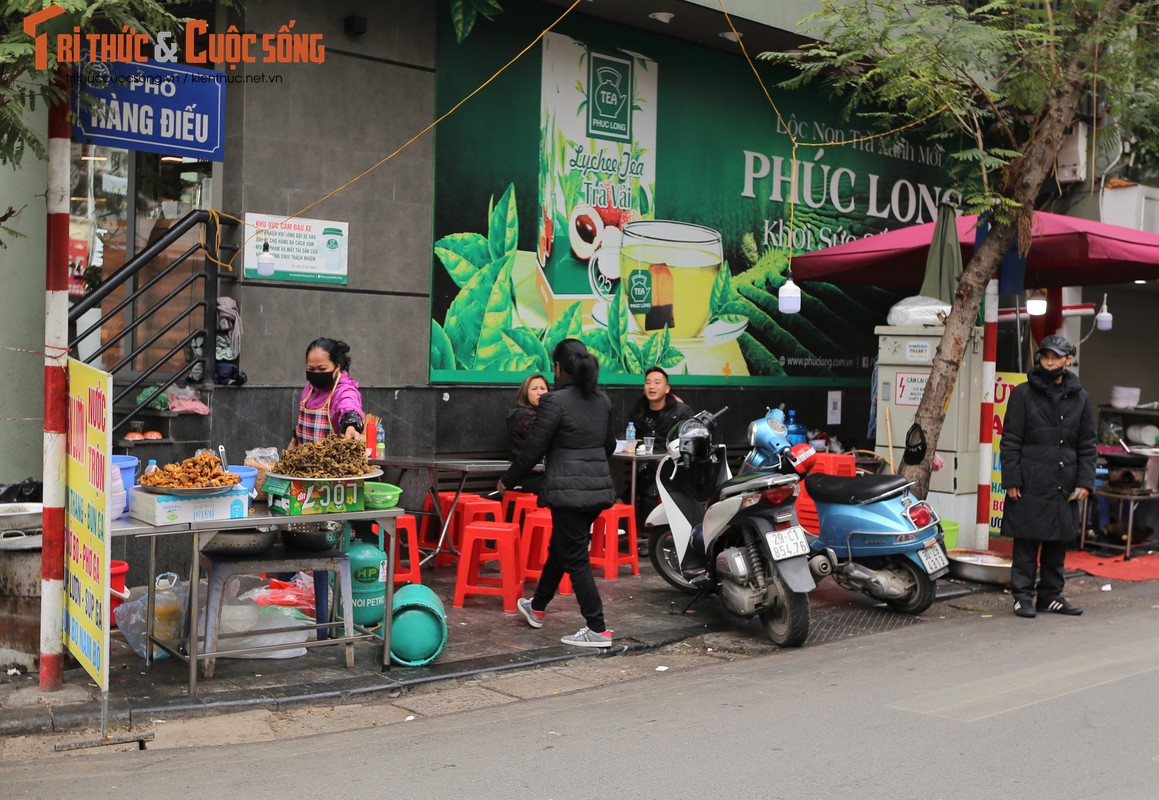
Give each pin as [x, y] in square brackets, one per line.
[1022, 181]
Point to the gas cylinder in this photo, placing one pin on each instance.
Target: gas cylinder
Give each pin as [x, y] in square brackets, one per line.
[368, 576]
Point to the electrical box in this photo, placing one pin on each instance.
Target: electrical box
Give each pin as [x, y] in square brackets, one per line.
[904, 361]
[1070, 166]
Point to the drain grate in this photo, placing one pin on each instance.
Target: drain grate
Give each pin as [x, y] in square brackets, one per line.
[846, 623]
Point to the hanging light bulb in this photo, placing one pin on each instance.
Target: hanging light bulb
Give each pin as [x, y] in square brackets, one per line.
[266, 263]
[1036, 303]
[1104, 318]
[789, 296]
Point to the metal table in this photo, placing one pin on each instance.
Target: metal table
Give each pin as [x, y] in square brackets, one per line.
[200, 533]
[636, 458]
[1132, 499]
[451, 466]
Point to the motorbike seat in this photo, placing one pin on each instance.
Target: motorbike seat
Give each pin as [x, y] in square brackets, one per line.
[852, 491]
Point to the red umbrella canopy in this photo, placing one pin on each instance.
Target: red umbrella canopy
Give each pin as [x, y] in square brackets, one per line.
[1064, 251]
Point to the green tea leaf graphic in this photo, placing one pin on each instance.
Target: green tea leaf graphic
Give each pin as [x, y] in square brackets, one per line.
[463, 254]
[496, 317]
[618, 323]
[671, 358]
[568, 326]
[503, 227]
[463, 17]
[598, 344]
[722, 292]
[488, 8]
[652, 350]
[530, 344]
[632, 358]
[442, 353]
[465, 316]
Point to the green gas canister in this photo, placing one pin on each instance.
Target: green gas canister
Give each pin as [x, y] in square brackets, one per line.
[368, 576]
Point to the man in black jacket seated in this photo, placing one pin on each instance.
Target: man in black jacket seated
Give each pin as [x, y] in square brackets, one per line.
[654, 415]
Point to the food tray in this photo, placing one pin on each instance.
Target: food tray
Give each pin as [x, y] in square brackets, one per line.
[981, 566]
[374, 473]
[191, 491]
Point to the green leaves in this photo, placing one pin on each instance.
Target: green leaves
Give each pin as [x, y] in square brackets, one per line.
[465, 12]
[463, 254]
[442, 353]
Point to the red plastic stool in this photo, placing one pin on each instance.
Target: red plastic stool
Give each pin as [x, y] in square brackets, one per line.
[429, 534]
[605, 551]
[406, 524]
[533, 547]
[516, 505]
[509, 584]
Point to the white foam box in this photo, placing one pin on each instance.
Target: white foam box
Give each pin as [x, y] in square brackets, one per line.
[163, 509]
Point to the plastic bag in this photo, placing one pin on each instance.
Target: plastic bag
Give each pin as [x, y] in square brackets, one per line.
[247, 618]
[132, 619]
[160, 402]
[918, 310]
[262, 459]
[297, 593]
[185, 399]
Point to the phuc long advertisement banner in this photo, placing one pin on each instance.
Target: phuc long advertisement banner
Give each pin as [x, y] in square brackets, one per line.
[638, 193]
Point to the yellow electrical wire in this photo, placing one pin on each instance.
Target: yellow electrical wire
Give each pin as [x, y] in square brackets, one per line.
[408, 143]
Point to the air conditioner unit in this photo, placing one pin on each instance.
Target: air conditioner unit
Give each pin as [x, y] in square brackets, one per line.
[1131, 206]
[1070, 166]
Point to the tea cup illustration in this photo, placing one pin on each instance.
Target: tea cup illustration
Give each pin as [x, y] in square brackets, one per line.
[666, 270]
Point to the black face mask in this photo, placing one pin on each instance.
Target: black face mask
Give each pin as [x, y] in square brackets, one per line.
[1053, 374]
[321, 380]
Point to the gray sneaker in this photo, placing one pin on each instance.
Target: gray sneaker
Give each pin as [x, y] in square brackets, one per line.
[534, 618]
[586, 637]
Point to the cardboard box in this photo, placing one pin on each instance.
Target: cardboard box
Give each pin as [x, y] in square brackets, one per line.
[159, 509]
[293, 497]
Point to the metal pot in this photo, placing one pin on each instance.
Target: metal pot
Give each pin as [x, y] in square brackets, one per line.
[312, 535]
[980, 566]
[1125, 460]
[21, 516]
[242, 541]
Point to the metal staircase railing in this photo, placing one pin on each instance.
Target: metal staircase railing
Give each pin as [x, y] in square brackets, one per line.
[206, 303]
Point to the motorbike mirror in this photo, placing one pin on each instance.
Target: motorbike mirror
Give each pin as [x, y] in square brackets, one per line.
[714, 417]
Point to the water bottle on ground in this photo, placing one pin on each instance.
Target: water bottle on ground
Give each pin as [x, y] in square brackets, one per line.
[166, 610]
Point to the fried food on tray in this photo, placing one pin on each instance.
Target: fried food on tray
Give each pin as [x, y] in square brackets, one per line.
[199, 472]
[332, 457]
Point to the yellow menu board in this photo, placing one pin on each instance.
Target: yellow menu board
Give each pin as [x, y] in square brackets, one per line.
[86, 552]
[1004, 383]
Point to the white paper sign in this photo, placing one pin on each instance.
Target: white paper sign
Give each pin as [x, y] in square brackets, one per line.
[304, 250]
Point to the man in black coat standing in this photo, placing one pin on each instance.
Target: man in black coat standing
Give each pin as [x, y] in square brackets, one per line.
[1048, 469]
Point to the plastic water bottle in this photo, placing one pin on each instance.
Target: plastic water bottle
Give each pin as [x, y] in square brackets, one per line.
[796, 432]
[630, 436]
[166, 610]
[150, 467]
[380, 442]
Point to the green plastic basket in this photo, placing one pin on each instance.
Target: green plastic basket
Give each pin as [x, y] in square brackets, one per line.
[381, 495]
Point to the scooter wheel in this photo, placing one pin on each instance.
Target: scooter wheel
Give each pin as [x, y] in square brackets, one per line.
[662, 553]
[921, 596]
[786, 622]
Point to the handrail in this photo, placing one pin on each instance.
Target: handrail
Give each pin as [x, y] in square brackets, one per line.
[134, 264]
[208, 303]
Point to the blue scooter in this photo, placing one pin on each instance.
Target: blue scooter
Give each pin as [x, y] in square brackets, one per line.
[875, 536]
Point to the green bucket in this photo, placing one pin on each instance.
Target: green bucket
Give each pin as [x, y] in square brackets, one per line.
[950, 534]
[418, 628]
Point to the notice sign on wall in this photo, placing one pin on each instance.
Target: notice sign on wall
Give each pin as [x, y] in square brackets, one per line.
[86, 557]
[306, 250]
[909, 387]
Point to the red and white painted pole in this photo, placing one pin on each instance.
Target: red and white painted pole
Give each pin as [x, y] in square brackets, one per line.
[55, 399]
[986, 428]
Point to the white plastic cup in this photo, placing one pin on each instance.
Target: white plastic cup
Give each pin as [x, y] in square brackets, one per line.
[649, 442]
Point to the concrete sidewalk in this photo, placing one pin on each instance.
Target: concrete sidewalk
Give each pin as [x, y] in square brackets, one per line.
[481, 638]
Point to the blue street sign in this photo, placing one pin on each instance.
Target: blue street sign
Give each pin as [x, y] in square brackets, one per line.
[171, 109]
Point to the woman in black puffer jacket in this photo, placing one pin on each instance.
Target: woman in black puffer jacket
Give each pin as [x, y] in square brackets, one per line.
[573, 428]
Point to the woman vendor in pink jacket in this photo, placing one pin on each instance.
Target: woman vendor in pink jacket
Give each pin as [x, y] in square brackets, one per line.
[331, 401]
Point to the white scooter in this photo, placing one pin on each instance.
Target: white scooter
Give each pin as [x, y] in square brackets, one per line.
[732, 537]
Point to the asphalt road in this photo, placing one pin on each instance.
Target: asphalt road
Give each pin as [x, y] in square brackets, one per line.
[975, 704]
